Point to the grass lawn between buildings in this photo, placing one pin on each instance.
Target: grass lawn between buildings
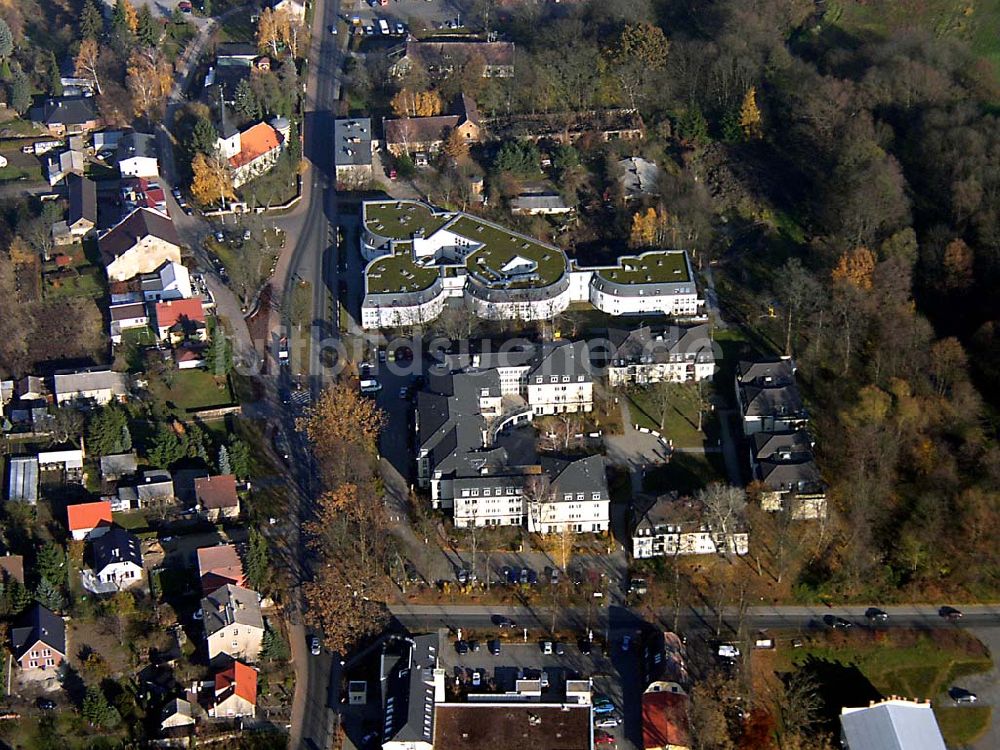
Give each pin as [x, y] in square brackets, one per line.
[195, 389]
[681, 423]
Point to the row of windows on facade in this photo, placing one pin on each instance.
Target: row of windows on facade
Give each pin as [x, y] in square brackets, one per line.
[574, 527]
[488, 492]
[558, 379]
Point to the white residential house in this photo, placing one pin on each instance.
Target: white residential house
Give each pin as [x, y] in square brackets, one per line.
[569, 495]
[234, 626]
[561, 381]
[672, 354]
[70, 460]
[489, 500]
[126, 317]
[96, 386]
[137, 156]
[117, 559]
[668, 526]
[140, 243]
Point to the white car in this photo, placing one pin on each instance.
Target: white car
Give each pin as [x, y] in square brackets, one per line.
[608, 722]
[477, 678]
[314, 645]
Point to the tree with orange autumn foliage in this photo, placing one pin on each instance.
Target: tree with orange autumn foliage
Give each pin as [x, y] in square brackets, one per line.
[85, 65]
[855, 267]
[148, 79]
[416, 103]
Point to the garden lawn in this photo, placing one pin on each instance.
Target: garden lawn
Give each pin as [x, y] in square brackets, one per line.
[962, 725]
[681, 423]
[197, 389]
[88, 283]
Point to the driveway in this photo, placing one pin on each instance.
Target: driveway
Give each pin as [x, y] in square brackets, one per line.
[987, 687]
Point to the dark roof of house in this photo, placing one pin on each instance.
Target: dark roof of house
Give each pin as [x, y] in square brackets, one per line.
[765, 445]
[140, 223]
[39, 624]
[82, 199]
[66, 110]
[570, 476]
[407, 671]
[766, 372]
[647, 345]
[570, 359]
[780, 401]
[235, 49]
[116, 545]
[802, 475]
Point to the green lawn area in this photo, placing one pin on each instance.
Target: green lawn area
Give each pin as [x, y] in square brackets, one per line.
[89, 283]
[962, 725]
[238, 28]
[133, 520]
[195, 389]
[19, 127]
[681, 423]
[686, 473]
[917, 665]
[651, 268]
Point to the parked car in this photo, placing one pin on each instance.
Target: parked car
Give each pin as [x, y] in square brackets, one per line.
[960, 695]
[603, 738]
[532, 577]
[46, 704]
[546, 647]
[494, 647]
[474, 645]
[502, 621]
[607, 722]
[477, 678]
[585, 646]
[626, 642]
[604, 708]
[314, 645]
[560, 648]
[461, 647]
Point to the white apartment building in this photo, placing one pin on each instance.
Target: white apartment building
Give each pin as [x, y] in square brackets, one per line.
[575, 497]
[668, 526]
[673, 354]
[561, 382]
[489, 500]
[420, 256]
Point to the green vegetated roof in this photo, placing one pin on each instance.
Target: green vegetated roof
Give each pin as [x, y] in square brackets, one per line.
[398, 220]
[650, 268]
[398, 272]
[501, 246]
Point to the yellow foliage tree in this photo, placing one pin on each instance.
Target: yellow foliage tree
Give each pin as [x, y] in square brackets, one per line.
[456, 146]
[750, 121]
[86, 62]
[417, 104]
[855, 267]
[272, 29]
[212, 180]
[645, 228]
[148, 80]
[131, 16]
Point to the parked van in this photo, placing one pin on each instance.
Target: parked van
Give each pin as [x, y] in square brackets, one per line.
[370, 386]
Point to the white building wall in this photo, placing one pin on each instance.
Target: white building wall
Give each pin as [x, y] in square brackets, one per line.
[582, 515]
[561, 396]
[139, 166]
[475, 508]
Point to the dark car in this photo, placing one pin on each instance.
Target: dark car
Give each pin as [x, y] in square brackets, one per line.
[461, 647]
[473, 645]
[510, 574]
[950, 613]
[585, 646]
[502, 621]
[876, 615]
[45, 704]
[532, 577]
[494, 647]
[837, 623]
[560, 648]
[961, 695]
[523, 577]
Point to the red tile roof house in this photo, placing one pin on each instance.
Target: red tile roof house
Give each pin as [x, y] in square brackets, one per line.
[665, 717]
[260, 147]
[217, 497]
[180, 319]
[39, 642]
[218, 566]
[89, 520]
[235, 692]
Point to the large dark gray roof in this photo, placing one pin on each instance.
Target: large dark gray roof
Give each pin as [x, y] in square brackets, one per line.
[39, 624]
[765, 445]
[766, 372]
[66, 110]
[407, 676]
[134, 144]
[352, 141]
[648, 345]
[116, 545]
[794, 476]
[231, 605]
[137, 225]
[570, 476]
[781, 401]
[570, 359]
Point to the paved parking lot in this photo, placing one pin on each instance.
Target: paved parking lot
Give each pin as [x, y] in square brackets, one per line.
[413, 13]
[615, 675]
